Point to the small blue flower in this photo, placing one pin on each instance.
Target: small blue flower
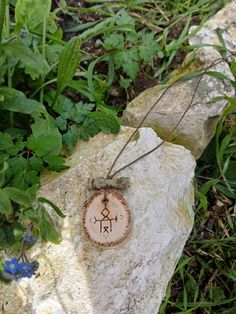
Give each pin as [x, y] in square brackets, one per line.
[11, 266]
[15, 270]
[29, 238]
[23, 33]
[26, 270]
[22, 275]
[35, 266]
[8, 276]
[24, 267]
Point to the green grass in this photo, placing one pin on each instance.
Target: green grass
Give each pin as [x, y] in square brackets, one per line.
[168, 20]
[151, 37]
[205, 279]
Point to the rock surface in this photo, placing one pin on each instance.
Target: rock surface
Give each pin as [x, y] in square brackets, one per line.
[225, 21]
[131, 278]
[198, 126]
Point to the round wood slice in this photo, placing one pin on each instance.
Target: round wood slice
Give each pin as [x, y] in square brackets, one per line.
[106, 218]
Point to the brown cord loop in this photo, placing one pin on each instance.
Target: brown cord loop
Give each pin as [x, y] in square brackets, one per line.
[109, 175]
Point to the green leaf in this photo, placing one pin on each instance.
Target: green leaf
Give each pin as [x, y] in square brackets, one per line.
[48, 232]
[81, 87]
[31, 177]
[189, 76]
[61, 123]
[89, 129]
[218, 75]
[203, 202]
[43, 145]
[81, 110]
[217, 293]
[70, 111]
[205, 188]
[100, 28]
[233, 68]
[52, 53]
[54, 207]
[131, 69]
[215, 99]
[7, 145]
[125, 19]
[16, 101]
[28, 214]
[148, 48]
[33, 62]
[108, 109]
[219, 33]
[18, 196]
[56, 163]
[96, 87]
[233, 103]
[16, 133]
[71, 136]
[114, 41]
[128, 60]
[183, 262]
[5, 203]
[32, 190]
[225, 191]
[52, 235]
[125, 83]
[223, 145]
[230, 173]
[80, 27]
[3, 240]
[5, 141]
[47, 229]
[3, 169]
[18, 181]
[45, 140]
[63, 104]
[68, 62]
[17, 164]
[106, 122]
[31, 13]
[36, 163]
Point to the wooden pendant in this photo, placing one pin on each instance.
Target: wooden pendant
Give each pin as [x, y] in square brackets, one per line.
[106, 218]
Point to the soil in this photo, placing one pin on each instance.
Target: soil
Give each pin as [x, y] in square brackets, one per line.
[143, 82]
[94, 48]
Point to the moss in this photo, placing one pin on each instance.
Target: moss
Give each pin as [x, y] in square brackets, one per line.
[175, 138]
[191, 64]
[184, 209]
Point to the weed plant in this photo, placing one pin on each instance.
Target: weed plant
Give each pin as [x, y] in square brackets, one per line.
[205, 279]
[66, 72]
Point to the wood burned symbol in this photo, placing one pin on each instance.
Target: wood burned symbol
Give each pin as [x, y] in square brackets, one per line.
[106, 218]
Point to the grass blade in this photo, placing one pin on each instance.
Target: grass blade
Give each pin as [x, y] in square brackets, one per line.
[68, 62]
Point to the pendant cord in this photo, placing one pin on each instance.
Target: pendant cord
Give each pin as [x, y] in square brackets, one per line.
[109, 175]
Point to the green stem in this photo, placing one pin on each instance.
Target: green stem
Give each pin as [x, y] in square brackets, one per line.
[43, 53]
[7, 23]
[3, 4]
[42, 86]
[224, 178]
[218, 159]
[9, 80]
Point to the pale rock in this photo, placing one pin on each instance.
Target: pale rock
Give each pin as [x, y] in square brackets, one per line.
[224, 21]
[198, 125]
[77, 277]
